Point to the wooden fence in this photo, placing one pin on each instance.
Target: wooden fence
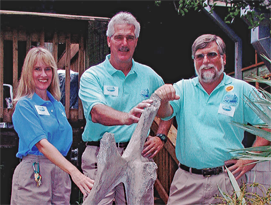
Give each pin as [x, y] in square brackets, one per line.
[62, 34]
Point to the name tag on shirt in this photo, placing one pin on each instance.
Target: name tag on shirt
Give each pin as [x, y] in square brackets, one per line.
[226, 109]
[42, 110]
[111, 90]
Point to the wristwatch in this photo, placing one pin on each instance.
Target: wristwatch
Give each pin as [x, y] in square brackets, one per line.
[162, 137]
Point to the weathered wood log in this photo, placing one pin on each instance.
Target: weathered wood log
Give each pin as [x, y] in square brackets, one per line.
[136, 172]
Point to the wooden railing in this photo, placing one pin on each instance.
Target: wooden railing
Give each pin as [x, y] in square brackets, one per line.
[166, 161]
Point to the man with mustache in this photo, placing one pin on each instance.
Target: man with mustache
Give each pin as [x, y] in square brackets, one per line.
[114, 94]
[204, 107]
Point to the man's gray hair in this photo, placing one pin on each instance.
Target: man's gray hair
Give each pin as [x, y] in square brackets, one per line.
[122, 18]
[204, 40]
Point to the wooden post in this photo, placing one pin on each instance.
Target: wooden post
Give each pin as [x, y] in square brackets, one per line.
[42, 36]
[1, 73]
[28, 41]
[81, 69]
[55, 46]
[15, 61]
[67, 72]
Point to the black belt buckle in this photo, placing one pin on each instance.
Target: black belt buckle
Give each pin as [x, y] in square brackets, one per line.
[207, 172]
[211, 171]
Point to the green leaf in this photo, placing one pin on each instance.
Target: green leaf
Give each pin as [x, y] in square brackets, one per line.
[265, 105]
[264, 56]
[260, 159]
[259, 79]
[259, 112]
[266, 94]
[254, 130]
[235, 185]
[255, 149]
[158, 3]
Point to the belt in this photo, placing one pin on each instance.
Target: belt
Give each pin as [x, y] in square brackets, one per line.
[97, 144]
[204, 172]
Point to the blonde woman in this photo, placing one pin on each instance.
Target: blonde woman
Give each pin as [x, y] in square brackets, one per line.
[45, 136]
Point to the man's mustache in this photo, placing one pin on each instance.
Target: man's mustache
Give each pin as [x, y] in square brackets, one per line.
[124, 49]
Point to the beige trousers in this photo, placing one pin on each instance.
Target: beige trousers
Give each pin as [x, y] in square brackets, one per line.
[189, 188]
[55, 187]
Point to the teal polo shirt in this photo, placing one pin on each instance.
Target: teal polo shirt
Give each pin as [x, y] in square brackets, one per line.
[35, 119]
[103, 84]
[205, 132]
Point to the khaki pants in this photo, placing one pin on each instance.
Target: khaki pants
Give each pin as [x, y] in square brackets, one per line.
[189, 188]
[55, 187]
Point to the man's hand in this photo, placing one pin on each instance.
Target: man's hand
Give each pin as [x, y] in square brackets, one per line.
[152, 146]
[135, 113]
[240, 167]
[167, 93]
[108, 116]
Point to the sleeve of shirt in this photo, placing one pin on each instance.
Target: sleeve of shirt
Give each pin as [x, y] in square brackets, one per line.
[27, 124]
[176, 104]
[90, 92]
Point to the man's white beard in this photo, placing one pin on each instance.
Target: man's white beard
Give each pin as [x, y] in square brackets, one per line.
[210, 76]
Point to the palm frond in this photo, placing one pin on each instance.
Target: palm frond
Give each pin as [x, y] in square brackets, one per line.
[266, 94]
[254, 130]
[259, 159]
[266, 58]
[258, 79]
[228, 199]
[255, 149]
[261, 105]
[259, 112]
[235, 186]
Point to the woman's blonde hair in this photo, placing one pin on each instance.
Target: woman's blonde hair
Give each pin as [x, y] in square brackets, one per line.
[26, 85]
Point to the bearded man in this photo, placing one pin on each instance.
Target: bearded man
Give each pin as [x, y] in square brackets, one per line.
[204, 108]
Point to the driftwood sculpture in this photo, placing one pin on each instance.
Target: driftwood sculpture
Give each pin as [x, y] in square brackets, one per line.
[136, 172]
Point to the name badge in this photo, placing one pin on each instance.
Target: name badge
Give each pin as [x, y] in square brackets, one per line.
[111, 90]
[226, 109]
[42, 110]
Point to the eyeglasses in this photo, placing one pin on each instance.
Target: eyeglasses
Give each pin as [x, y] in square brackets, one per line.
[129, 38]
[210, 55]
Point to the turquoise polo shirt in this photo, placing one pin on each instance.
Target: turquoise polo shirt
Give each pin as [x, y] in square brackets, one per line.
[205, 133]
[35, 119]
[103, 84]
